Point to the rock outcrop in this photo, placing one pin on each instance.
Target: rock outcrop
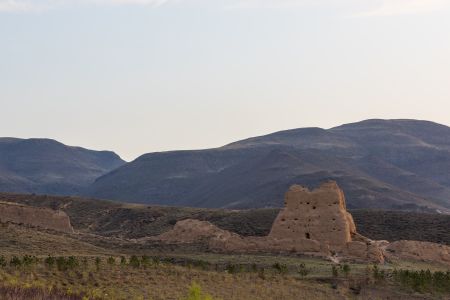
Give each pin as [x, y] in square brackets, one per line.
[35, 216]
[312, 222]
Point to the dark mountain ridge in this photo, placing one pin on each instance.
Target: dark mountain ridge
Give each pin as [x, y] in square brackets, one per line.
[400, 164]
[46, 166]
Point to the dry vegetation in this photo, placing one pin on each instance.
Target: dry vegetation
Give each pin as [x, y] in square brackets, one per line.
[105, 231]
[155, 281]
[20, 240]
[150, 278]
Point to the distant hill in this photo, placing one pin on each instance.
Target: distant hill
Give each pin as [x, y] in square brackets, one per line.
[48, 167]
[387, 164]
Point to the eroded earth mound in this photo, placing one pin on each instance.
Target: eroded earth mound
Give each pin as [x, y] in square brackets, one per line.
[35, 216]
[415, 250]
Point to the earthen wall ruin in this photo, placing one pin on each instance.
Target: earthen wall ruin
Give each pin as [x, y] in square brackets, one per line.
[312, 222]
[35, 216]
[319, 215]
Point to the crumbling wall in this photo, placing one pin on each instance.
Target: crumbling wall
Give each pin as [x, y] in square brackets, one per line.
[35, 216]
[319, 215]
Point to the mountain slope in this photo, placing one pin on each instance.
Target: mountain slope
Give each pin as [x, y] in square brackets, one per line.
[49, 167]
[401, 164]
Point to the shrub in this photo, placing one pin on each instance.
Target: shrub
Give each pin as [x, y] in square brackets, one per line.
[204, 265]
[302, 270]
[195, 293]
[334, 271]
[50, 261]
[281, 268]
[123, 260]
[254, 268]
[233, 269]
[15, 262]
[72, 262]
[61, 264]
[134, 262]
[98, 262]
[28, 260]
[111, 261]
[145, 260]
[84, 261]
[377, 274]
[346, 269]
[2, 261]
[156, 260]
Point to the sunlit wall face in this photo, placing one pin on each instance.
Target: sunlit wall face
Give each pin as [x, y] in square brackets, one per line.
[141, 76]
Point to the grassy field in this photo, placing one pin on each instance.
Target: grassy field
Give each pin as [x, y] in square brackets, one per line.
[89, 263]
[155, 278]
[20, 240]
[159, 282]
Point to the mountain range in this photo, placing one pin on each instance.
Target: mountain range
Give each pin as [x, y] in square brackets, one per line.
[45, 166]
[384, 164]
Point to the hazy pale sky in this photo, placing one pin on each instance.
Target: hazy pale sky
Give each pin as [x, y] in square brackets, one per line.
[138, 76]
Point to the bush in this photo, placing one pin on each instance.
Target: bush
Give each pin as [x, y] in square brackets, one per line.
[233, 269]
[302, 270]
[15, 262]
[346, 269]
[377, 274]
[50, 261]
[111, 261]
[156, 260]
[72, 262]
[2, 261]
[134, 262]
[145, 261]
[281, 268]
[195, 293]
[98, 262]
[334, 271]
[85, 262]
[123, 260]
[204, 265]
[29, 260]
[61, 264]
[254, 268]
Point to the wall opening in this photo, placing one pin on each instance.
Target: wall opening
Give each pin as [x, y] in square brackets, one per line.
[307, 236]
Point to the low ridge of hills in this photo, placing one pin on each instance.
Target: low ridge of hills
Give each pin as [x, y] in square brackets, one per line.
[133, 221]
[382, 164]
[46, 166]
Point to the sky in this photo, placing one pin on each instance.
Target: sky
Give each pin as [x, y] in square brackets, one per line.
[139, 76]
